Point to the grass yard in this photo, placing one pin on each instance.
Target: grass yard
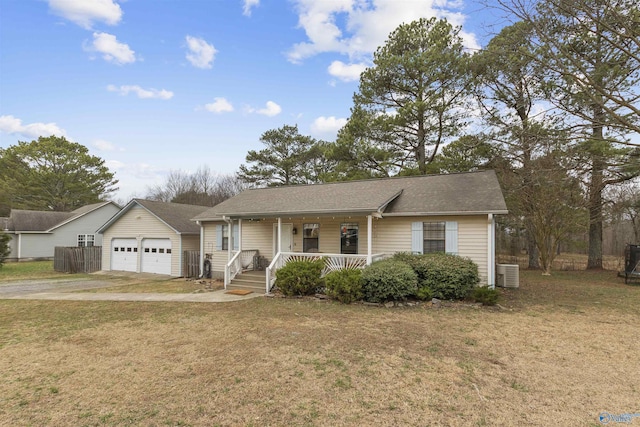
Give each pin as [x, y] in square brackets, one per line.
[563, 350]
[28, 270]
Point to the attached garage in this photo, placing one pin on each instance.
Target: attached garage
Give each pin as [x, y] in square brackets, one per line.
[150, 237]
[156, 256]
[124, 255]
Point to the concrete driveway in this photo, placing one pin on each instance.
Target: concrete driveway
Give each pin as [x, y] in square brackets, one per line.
[66, 289]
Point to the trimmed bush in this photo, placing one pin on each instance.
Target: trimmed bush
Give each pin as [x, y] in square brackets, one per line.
[447, 276]
[424, 293]
[344, 285]
[300, 277]
[4, 247]
[485, 295]
[388, 280]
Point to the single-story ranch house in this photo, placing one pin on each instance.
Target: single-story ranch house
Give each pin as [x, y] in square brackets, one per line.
[352, 223]
[35, 234]
[150, 237]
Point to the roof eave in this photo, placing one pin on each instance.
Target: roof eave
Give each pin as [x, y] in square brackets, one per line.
[327, 212]
[447, 213]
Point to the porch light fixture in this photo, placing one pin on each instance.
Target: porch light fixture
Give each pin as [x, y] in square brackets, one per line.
[294, 231]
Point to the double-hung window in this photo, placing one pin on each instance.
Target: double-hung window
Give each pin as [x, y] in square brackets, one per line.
[310, 237]
[225, 237]
[434, 237]
[86, 240]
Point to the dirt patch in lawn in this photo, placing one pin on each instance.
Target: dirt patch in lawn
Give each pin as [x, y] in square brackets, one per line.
[538, 361]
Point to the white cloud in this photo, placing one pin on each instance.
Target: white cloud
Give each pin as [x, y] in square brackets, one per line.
[103, 145]
[85, 12]
[13, 125]
[142, 93]
[248, 5]
[220, 105]
[201, 54]
[327, 125]
[346, 72]
[111, 49]
[367, 24]
[271, 109]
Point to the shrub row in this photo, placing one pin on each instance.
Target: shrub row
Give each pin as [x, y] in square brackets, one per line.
[403, 276]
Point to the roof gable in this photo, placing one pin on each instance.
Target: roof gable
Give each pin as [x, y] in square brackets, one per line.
[176, 216]
[463, 193]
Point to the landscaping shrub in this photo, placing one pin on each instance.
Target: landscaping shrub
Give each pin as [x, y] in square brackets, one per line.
[424, 293]
[344, 285]
[485, 295]
[300, 277]
[388, 280]
[4, 247]
[447, 276]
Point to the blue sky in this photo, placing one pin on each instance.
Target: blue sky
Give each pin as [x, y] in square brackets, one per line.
[155, 85]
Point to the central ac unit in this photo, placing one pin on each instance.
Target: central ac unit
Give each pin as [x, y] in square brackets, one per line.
[507, 275]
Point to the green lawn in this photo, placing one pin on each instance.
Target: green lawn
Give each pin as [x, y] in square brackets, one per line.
[28, 270]
[559, 351]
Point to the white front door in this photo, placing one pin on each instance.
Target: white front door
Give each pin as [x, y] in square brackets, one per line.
[287, 238]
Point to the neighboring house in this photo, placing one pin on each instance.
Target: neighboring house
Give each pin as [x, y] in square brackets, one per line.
[35, 234]
[150, 237]
[354, 223]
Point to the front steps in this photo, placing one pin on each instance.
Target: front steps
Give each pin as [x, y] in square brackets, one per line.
[250, 281]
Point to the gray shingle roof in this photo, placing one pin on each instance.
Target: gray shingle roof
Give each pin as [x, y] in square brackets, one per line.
[176, 215]
[26, 220]
[463, 193]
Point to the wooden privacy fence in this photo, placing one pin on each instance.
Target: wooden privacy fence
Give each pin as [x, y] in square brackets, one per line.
[191, 267]
[77, 260]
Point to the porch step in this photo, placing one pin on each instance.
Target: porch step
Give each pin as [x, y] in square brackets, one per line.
[249, 280]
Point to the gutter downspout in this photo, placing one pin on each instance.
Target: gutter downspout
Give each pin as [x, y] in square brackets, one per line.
[201, 250]
[491, 255]
[369, 236]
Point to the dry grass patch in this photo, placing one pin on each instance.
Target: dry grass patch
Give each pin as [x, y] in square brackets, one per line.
[301, 362]
[144, 284]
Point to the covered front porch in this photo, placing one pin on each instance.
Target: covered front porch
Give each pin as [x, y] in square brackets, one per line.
[270, 243]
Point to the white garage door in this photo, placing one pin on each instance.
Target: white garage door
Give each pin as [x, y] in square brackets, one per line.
[124, 254]
[156, 256]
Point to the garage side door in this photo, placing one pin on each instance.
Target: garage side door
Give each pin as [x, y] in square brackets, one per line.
[156, 256]
[124, 255]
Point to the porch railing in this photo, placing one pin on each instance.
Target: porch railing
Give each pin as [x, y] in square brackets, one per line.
[240, 261]
[332, 262]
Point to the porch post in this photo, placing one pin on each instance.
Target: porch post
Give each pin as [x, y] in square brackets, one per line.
[230, 237]
[201, 249]
[279, 235]
[369, 235]
[239, 234]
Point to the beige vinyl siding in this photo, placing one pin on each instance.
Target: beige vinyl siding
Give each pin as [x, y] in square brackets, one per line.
[473, 242]
[390, 235]
[393, 234]
[218, 258]
[139, 224]
[190, 242]
[259, 235]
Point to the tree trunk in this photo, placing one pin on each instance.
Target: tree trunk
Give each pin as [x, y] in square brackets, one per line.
[595, 194]
[532, 250]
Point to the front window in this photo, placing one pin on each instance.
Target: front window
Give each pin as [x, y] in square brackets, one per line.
[225, 237]
[310, 235]
[434, 237]
[86, 240]
[349, 238]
